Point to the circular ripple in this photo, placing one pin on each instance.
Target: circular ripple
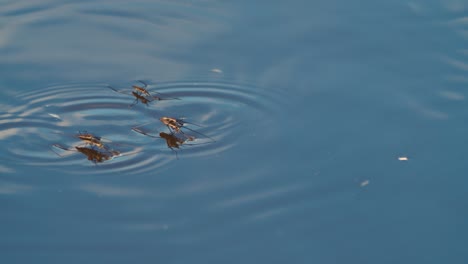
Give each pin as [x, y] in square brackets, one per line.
[224, 114]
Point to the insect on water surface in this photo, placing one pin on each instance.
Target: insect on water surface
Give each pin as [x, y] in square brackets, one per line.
[91, 139]
[96, 148]
[176, 136]
[175, 125]
[142, 90]
[142, 95]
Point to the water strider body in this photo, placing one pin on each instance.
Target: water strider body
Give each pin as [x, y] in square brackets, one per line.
[141, 94]
[91, 139]
[175, 125]
[142, 90]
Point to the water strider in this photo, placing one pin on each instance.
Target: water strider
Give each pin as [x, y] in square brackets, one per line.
[142, 95]
[91, 139]
[175, 125]
[142, 90]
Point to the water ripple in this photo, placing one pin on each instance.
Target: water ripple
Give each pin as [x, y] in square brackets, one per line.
[39, 119]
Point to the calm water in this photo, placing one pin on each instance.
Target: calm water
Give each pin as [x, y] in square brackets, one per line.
[305, 109]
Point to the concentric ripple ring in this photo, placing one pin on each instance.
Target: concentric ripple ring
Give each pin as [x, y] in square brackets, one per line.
[217, 115]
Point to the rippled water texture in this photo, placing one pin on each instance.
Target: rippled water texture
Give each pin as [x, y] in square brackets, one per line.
[219, 112]
[330, 131]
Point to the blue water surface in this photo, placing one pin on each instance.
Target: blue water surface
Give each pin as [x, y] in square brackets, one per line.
[331, 131]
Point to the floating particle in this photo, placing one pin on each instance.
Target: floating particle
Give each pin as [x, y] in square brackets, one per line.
[54, 116]
[365, 183]
[403, 158]
[217, 70]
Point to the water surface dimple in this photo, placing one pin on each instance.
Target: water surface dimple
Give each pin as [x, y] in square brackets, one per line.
[217, 115]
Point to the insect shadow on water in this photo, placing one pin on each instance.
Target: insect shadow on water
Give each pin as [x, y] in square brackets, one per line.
[94, 147]
[173, 141]
[176, 137]
[142, 95]
[93, 154]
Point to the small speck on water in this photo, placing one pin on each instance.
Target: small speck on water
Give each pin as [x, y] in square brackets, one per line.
[364, 183]
[402, 158]
[54, 116]
[216, 70]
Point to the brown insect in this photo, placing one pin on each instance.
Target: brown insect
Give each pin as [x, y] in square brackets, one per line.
[93, 154]
[175, 126]
[142, 90]
[142, 95]
[91, 139]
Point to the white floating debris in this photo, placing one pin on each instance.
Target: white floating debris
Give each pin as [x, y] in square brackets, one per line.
[217, 70]
[54, 116]
[365, 183]
[403, 158]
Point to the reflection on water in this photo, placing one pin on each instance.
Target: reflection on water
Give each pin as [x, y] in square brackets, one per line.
[361, 155]
[13, 188]
[53, 116]
[124, 37]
